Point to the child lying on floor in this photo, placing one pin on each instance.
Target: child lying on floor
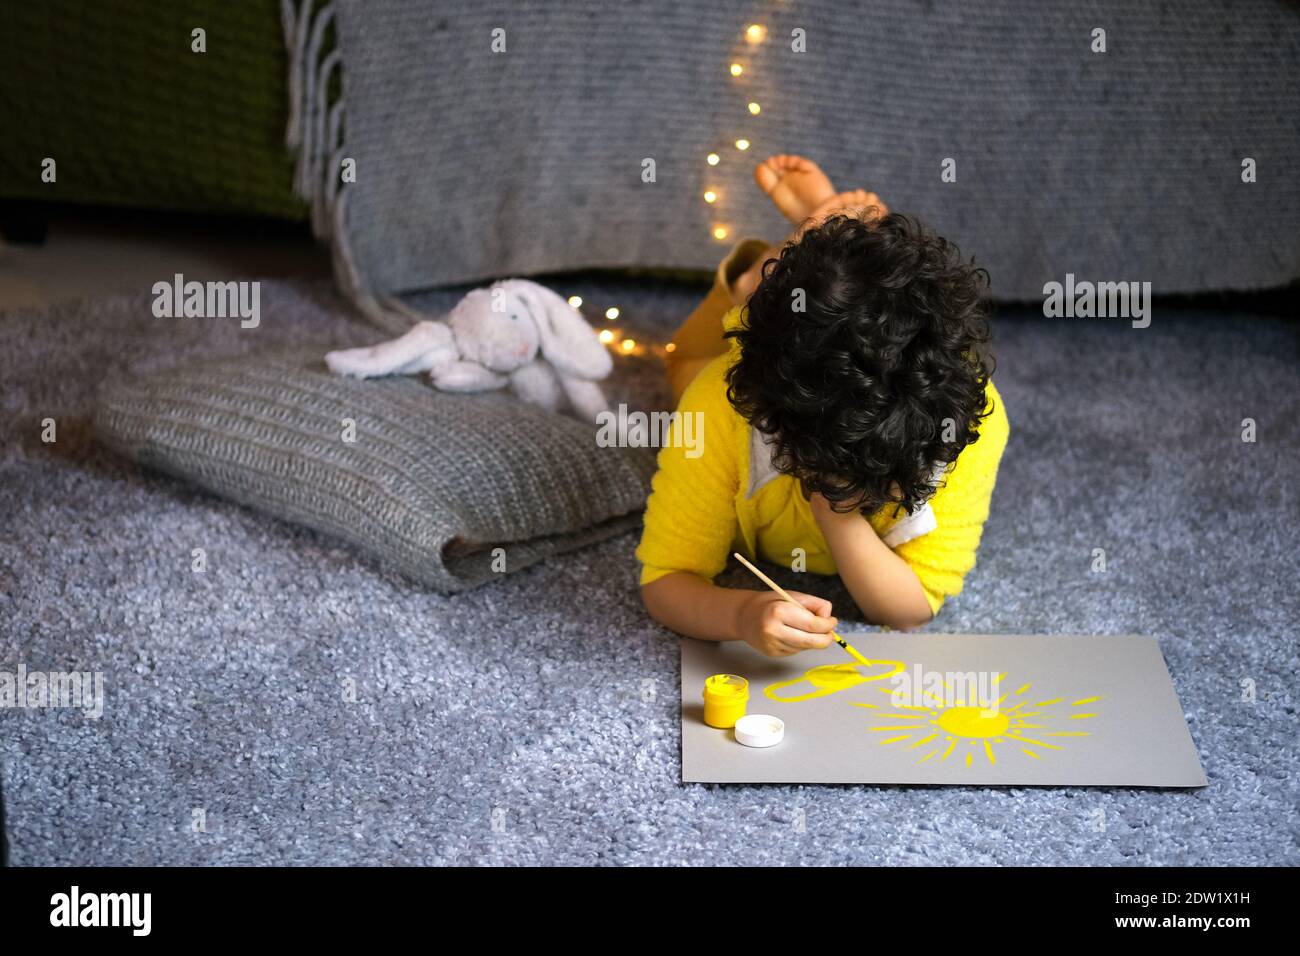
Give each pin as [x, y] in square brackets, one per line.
[842, 386]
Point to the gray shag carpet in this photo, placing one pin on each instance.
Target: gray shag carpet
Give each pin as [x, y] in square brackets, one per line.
[535, 720]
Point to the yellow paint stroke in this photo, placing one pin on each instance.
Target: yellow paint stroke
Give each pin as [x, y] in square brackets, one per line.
[921, 717]
[979, 726]
[934, 699]
[978, 723]
[973, 722]
[831, 679]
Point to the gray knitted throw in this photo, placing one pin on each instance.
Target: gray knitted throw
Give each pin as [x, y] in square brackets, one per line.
[581, 141]
[453, 490]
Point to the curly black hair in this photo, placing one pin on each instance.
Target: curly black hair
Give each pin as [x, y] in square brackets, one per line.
[862, 341]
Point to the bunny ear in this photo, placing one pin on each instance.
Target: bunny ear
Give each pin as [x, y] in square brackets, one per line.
[424, 347]
[567, 341]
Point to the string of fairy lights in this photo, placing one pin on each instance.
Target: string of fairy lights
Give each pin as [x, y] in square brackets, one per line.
[612, 337]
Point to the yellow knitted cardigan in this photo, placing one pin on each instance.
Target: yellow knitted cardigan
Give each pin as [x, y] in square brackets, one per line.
[700, 508]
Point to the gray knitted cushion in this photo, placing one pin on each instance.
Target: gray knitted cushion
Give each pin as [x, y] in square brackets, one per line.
[432, 484]
[1118, 165]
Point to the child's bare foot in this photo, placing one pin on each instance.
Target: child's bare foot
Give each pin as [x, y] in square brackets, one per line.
[796, 185]
[859, 203]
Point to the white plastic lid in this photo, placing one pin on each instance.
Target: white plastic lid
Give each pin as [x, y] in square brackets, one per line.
[760, 730]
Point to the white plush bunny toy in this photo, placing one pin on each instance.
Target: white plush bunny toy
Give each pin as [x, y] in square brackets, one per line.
[491, 340]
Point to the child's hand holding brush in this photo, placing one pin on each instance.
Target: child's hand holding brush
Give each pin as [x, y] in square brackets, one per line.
[771, 625]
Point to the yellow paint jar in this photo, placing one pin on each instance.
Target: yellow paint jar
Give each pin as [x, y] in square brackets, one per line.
[725, 697]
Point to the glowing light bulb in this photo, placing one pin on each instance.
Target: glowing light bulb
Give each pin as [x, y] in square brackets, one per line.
[628, 345]
[713, 159]
[737, 69]
[670, 347]
[611, 313]
[742, 144]
[755, 109]
[710, 196]
[719, 232]
[575, 301]
[756, 33]
[606, 336]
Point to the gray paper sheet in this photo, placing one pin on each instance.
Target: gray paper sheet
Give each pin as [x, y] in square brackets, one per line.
[948, 709]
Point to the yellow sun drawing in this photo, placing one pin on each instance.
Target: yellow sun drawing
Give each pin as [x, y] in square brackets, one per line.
[943, 729]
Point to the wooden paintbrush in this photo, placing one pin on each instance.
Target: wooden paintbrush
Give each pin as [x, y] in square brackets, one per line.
[777, 588]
